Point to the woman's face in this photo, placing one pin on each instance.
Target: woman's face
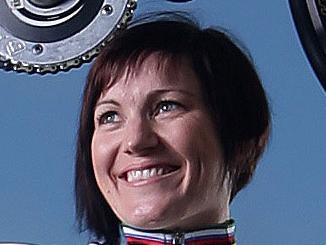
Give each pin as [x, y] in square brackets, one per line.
[156, 157]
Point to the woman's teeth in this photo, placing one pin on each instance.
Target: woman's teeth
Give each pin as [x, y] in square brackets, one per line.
[136, 175]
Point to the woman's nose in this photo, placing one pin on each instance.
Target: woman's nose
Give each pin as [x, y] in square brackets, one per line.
[140, 137]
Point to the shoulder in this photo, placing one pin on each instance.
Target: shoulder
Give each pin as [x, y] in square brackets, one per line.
[97, 243]
[102, 242]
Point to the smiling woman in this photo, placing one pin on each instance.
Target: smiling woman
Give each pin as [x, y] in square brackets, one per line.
[173, 121]
[166, 153]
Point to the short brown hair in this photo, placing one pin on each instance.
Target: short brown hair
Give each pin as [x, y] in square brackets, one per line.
[230, 84]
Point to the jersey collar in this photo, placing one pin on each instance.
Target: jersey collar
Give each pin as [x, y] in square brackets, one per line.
[221, 234]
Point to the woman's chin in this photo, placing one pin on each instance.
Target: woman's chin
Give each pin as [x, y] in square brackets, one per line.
[150, 217]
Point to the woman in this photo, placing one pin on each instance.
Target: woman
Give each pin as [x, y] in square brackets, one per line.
[173, 121]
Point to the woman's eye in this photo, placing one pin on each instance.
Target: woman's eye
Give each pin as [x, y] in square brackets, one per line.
[108, 117]
[167, 106]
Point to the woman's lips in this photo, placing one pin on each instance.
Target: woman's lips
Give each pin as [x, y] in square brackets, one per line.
[147, 173]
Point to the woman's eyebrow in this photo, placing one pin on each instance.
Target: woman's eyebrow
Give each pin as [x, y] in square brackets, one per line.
[173, 90]
[103, 102]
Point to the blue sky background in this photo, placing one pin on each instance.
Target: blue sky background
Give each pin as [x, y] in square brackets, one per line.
[286, 201]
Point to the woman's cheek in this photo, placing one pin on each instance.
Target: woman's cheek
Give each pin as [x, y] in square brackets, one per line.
[100, 157]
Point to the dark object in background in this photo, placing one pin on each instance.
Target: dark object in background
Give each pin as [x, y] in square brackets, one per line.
[46, 3]
[310, 20]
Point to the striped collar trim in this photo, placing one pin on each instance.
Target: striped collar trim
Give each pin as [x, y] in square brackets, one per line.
[220, 234]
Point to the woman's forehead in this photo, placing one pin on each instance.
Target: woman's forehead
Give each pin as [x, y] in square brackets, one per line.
[160, 70]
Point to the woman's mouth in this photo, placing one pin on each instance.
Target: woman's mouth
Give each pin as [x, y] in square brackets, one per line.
[136, 175]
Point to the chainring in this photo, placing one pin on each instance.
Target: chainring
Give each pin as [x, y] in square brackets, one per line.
[38, 39]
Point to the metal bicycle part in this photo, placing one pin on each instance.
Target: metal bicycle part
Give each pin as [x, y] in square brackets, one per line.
[56, 35]
[310, 20]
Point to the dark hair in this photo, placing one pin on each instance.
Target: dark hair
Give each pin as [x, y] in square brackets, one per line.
[232, 92]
